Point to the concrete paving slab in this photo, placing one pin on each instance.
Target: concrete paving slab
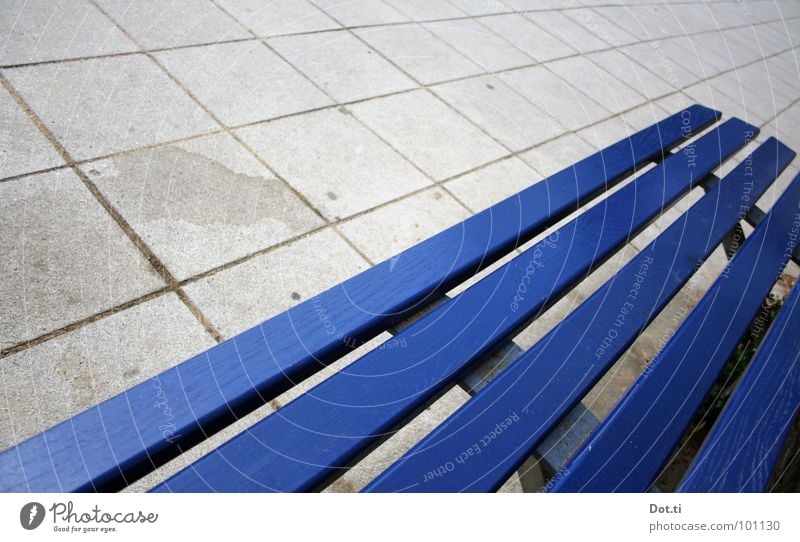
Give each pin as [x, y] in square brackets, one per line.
[550, 93]
[361, 12]
[41, 30]
[430, 134]
[477, 8]
[609, 131]
[557, 154]
[522, 33]
[23, 147]
[157, 24]
[642, 80]
[657, 60]
[387, 231]
[245, 295]
[487, 186]
[243, 82]
[480, 44]
[425, 10]
[98, 107]
[501, 112]
[62, 257]
[50, 382]
[597, 83]
[202, 203]
[419, 53]
[601, 27]
[274, 18]
[568, 31]
[334, 161]
[343, 66]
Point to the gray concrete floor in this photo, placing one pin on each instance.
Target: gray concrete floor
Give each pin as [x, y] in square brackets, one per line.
[174, 172]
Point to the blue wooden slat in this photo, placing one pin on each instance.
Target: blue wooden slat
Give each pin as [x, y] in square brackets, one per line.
[126, 436]
[306, 442]
[742, 448]
[629, 448]
[480, 445]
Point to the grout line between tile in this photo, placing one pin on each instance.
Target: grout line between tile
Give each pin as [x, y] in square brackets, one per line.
[356, 27]
[174, 285]
[395, 93]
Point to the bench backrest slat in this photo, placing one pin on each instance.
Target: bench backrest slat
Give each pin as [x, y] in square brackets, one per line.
[743, 447]
[312, 438]
[484, 442]
[628, 449]
[122, 439]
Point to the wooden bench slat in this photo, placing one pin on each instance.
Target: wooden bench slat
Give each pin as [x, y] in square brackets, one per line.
[743, 447]
[629, 448]
[312, 438]
[485, 441]
[123, 438]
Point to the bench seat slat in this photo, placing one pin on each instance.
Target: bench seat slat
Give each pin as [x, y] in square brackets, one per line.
[112, 444]
[486, 440]
[742, 448]
[629, 448]
[309, 440]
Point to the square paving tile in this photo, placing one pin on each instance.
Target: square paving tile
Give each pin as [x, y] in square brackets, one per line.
[430, 134]
[40, 30]
[277, 17]
[52, 381]
[481, 7]
[201, 203]
[703, 93]
[522, 33]
[557, 154]
[245, 295]
[550, 93]
[480, 44]
[242, 82]
[634, 75]
[661, 20]
[343, 66]
[419, 53]
[659, 60]
[62, 257]
[361, 12]
[609, 131]
[592, 80]
[500, 111]
[601, 27]
[626, 19]
[387, 231]
[425, 10]
[487, 186]
[23, 148]
[567, 30]
[157, 24]
[339, 165]
[654, 26]
[98, 107]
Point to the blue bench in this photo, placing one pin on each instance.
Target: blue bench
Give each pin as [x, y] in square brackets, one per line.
[314, 438]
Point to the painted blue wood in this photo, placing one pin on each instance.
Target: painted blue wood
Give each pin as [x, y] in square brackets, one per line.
[487, 439]
[125, 437]
[743, 447]
[629, 448]
[311, 438]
